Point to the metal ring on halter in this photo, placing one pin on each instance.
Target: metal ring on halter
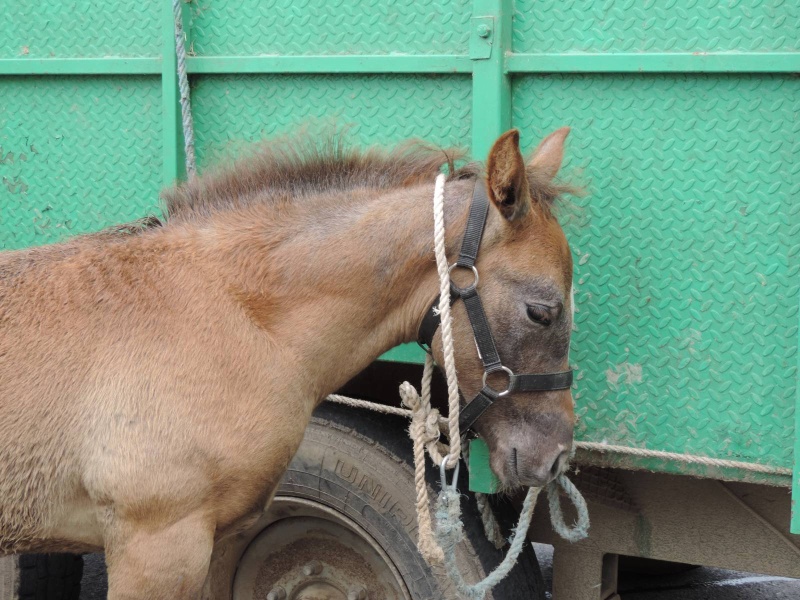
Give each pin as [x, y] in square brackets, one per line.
[511, 378]
[469, 287]
[443, 474]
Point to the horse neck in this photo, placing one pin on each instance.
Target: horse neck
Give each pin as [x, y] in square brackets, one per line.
[336, 283]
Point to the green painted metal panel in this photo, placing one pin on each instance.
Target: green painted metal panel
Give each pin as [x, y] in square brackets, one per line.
[79, 28]
[80, 66]
[76, 154]
[364, 63]
[795, 524]
[234, 110]
[491, 97]
[252, 27]
[405, 353]
[686, 256]
[481, 477]
[656, 26]
[686, 247]
[656, 62]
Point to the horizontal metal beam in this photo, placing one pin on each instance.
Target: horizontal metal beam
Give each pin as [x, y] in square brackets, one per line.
[666, 62]
[729, 62]
[80, 66]
[392, 63]
[241, 64]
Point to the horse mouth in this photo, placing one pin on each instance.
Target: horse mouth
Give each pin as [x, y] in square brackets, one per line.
[514, 479]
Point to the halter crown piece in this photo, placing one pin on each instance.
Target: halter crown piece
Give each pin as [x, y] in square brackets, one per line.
[487, 350]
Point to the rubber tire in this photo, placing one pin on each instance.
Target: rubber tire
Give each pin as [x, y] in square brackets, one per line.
[649, 566]
[361, 465]
[41, 577]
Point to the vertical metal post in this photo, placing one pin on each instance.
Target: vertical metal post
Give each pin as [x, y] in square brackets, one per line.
[491, 84]
[172, 134]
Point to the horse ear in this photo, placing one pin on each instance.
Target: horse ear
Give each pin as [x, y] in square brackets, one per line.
[548, 156]
[505, 173]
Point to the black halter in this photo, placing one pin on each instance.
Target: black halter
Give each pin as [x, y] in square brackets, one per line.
[487, 350]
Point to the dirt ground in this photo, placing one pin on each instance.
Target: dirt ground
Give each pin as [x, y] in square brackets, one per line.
[696, 584]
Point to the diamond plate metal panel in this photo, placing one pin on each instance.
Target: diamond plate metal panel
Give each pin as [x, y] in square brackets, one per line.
[231, 111]
[247, 27]
[79, 28]
[76, 154]
[656, 26]
[687, 256]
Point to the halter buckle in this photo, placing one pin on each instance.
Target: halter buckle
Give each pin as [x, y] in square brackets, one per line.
[509, 387]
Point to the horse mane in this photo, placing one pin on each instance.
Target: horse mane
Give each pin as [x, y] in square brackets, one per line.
[287, 170]
[291, 169]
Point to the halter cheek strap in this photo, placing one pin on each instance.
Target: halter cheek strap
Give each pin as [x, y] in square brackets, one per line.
[484, 341]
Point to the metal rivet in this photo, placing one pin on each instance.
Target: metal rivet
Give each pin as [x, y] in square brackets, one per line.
[312, 568]
[277, 593]
[484, 30]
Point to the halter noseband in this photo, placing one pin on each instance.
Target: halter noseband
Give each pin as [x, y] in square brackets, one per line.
[487, 350]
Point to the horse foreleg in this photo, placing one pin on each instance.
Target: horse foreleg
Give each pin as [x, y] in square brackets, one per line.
[154, 563]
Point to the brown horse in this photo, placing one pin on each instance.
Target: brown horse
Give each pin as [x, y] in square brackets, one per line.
[155, 380]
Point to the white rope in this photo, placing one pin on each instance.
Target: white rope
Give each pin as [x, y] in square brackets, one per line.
[490, 525]
[684, 458]
[391, 410]
[602, 447]
[183, 86]
[424, 431]
[454, 400]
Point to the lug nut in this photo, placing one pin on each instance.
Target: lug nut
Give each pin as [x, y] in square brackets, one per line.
[312, 568]
[357, 593]
[277, 593]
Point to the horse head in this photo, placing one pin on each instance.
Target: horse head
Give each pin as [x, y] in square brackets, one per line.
[525, 285]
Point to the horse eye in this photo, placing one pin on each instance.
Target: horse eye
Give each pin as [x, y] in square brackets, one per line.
[539, 313]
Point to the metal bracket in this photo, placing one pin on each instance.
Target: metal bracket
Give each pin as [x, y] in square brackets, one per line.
[482, 38]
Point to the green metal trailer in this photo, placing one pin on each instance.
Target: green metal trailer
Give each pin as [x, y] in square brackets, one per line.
[687, 248]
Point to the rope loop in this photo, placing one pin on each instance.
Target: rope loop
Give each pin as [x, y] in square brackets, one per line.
[580, 529]
[450, 532]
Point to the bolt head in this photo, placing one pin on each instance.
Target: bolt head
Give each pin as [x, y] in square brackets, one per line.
[312, 568]
[484, 30]
[277, 593]
[357, 593]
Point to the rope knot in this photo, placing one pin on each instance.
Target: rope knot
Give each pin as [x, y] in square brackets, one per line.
[410, 397]
[432, 431]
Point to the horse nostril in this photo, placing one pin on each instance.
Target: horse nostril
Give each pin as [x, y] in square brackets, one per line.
[559, 463]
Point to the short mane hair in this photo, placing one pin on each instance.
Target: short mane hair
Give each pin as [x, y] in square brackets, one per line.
[288, 169]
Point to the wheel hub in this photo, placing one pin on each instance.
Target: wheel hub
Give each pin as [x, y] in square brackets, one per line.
[314, 553]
